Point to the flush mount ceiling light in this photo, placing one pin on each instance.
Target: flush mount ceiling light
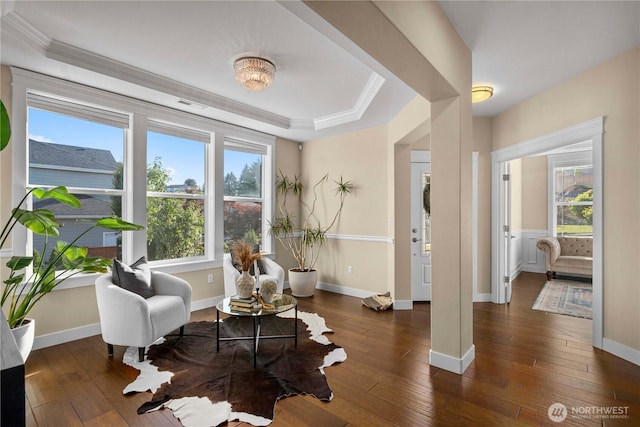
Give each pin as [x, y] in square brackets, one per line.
[254, 73]
[481, 93]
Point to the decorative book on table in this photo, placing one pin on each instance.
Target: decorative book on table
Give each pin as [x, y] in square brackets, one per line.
[242, 302]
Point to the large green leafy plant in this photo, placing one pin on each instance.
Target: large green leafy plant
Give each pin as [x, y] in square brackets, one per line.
[305, 240]
[30, 277]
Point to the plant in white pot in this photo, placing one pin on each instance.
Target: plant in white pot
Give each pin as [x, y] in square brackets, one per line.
[305, 239]
[32, 277]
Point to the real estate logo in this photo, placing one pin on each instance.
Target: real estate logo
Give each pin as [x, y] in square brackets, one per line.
[557, 412]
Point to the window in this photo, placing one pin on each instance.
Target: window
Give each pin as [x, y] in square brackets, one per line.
[65, 148]
[572, 194]
[243, 194]
[175, 194]
[426, 212]
[145, 163]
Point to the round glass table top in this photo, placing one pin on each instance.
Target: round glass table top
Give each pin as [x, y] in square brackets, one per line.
[238, 307]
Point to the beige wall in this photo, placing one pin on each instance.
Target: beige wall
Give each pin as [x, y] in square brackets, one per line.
[612, 90]
[482, 143]
[515, 172]
[288, 162]
[359, 157]
[533, 196]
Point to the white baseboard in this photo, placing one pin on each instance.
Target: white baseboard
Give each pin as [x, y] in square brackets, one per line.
[359, 293]
[343, 290]
[450, 363]
[403, 305]
[482, 297]
[86, 331]
[532, 269]
[627, 353]
[67, 335]
[206, 303]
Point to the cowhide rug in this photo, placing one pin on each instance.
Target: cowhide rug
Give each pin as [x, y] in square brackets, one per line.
[206, 388]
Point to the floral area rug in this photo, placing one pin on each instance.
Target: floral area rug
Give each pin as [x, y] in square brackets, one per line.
[565, 297]
[204, 387]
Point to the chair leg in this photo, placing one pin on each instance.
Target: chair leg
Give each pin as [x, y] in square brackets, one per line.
[182, 330]
[109, 350]
[548, 275]
[140, 354]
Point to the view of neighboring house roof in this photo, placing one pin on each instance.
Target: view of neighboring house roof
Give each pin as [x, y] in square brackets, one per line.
[92, 207]
[48, 153]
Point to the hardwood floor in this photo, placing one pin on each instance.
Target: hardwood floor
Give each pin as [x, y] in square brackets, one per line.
[525, 361]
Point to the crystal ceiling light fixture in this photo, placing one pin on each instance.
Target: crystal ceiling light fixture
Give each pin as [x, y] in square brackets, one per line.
[254, 73]
[481, 93]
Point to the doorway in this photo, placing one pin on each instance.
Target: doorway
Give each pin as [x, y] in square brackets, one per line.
[421, 226]
[588, 132]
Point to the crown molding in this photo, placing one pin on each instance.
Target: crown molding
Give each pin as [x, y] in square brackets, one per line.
[100, 64]
[17, 27]
[371, 88]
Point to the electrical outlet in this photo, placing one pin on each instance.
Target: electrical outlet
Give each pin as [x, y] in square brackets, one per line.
[350, 270]
[210, 278]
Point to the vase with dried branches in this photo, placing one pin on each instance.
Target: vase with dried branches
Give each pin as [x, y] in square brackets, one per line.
[243, 252]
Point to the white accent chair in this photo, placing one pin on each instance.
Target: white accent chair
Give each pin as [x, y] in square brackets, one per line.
[128, 319]
[273, 272]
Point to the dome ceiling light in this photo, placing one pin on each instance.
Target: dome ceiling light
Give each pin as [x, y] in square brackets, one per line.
[481, 93]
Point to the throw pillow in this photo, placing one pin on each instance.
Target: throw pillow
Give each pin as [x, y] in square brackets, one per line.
[135, 278]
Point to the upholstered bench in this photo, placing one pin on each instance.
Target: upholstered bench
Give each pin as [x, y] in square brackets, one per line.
[571, 255]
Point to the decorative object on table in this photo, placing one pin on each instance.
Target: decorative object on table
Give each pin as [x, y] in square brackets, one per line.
[305, 240]
[245, 305]
[267, 290]
[566, 297]
[378, 302]
[269, 270]
[243, 252]
[31, 277]
[218, 388]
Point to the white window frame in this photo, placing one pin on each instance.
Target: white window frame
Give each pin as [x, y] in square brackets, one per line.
[205, 138]
[134, 208]
[266, 188]
[578, 158]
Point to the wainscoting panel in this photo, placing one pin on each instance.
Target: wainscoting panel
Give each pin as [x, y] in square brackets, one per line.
[532, 257]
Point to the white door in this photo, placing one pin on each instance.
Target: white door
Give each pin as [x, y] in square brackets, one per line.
[420, 231]
[505, 229]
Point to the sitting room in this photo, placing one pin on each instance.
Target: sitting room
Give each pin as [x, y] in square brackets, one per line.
[173, 167]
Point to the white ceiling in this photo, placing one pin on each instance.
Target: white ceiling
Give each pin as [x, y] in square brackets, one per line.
[167, 51]
[523, 48]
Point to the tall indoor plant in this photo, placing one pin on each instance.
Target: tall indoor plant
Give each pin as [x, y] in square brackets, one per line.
[31, 277]
[304, 239]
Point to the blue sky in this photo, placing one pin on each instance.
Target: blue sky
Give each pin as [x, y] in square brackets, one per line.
[184, 158]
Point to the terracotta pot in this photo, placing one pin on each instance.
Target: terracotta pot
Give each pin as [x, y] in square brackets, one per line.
[303, 283]
[24, 336]
[245, 284]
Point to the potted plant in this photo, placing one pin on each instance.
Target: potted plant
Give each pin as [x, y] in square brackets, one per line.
[32, 277]
[305, 240]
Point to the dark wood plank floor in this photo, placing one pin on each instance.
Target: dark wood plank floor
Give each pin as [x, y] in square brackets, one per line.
[525, 361]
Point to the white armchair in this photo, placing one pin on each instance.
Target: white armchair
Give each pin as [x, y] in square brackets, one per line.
[128, 319]
[272, 272]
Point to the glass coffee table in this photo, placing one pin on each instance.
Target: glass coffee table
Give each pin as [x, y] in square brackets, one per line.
[281, 303]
